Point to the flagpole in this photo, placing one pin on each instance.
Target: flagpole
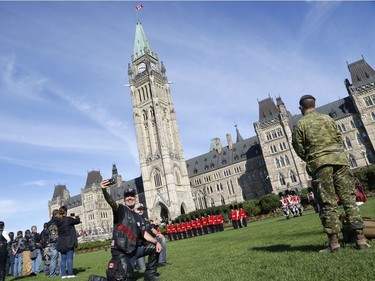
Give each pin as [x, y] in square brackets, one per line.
[137, 8]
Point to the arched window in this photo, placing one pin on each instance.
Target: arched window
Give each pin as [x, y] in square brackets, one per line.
[370, 156]
[145, 117]
[277, 163]
[352, 124]
[157, 178]
[359, 139]
[177, 176]
[348, 143]
[352, 161]
[282, 179]
[140, 96]
[282, 161]
[293, 177]
[222, 200]
[287, 161]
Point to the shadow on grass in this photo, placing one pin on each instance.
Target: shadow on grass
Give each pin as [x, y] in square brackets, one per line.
[80, 270]
[283, 218]
[36, 277]
[288, 248]
[20, 277]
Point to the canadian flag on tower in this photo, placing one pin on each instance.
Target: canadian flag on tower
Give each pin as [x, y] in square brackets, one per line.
[140, 6]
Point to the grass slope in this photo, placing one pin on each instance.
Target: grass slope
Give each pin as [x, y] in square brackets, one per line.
[272, 249]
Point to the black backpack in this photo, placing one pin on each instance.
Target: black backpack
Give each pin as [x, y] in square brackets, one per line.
[115, 270]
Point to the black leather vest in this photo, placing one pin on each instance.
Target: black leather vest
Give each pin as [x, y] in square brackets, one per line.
[125, 232]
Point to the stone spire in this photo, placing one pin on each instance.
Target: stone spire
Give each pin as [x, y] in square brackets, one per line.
[239, 137]
[141, 45]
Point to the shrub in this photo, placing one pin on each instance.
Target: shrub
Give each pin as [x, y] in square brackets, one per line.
[268, 203]
[252, 208]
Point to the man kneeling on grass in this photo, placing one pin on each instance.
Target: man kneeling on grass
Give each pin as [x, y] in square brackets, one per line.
[128, 231]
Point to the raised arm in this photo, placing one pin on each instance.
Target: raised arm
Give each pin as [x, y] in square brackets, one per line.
[107, 196]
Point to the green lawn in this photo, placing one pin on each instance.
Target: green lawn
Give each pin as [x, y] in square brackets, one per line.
[272, 249]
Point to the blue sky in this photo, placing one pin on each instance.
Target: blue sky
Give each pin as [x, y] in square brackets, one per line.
[64, 109]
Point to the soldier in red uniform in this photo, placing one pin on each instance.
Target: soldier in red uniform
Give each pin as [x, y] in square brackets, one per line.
[233, 217]
[220, 221]
[183, 229]
[211, 224]
[204, 224]
[179, 230]
[193, 226]
[198, 222]
[242, 215]
[174, 231]
[188, 228]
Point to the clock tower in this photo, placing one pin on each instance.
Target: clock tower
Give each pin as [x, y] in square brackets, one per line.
[165, 178]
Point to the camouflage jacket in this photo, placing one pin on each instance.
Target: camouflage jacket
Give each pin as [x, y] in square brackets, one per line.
[318, 141]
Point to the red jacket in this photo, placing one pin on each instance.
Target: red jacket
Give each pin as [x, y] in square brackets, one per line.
[199, 223]
[169, 229]
[242, 213]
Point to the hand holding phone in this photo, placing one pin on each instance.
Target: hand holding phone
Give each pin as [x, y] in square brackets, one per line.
[111, 181]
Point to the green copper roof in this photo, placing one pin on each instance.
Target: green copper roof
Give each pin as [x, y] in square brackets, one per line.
[141, 45]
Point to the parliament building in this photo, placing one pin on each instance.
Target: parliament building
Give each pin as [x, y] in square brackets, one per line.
[233, 170]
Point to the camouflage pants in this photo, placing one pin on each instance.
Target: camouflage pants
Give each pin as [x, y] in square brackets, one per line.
[327, 182]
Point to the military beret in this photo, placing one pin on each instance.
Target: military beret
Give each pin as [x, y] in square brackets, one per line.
[306, 97]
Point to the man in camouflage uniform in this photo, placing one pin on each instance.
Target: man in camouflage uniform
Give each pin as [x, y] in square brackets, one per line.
[317, 140]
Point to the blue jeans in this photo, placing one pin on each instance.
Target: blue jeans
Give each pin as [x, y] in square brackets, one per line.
[163, 253]
[66, 261]
[18, 261]
[53, 268]
[140, 263]
[35, 263]
[9, 265]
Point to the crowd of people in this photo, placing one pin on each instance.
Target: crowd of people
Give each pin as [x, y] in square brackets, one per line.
[31, 253]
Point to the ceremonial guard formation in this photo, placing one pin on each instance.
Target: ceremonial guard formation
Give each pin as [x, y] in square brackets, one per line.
[291, 204]
[238, 216]
[195, 226]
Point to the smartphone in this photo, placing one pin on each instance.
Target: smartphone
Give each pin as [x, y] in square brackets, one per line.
[111, 181]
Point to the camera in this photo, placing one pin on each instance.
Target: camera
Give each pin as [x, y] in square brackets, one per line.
[111, 181]
[72, 214]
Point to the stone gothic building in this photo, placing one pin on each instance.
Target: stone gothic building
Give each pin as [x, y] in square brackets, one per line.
[229, 173]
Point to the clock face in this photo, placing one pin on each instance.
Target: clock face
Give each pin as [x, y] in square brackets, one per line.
[153, 66]
[141, 67]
